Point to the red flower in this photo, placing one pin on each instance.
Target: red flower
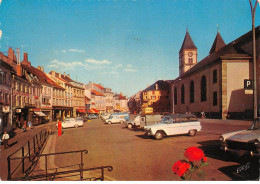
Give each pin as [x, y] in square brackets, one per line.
[194, 154]
[204, 159]
[180, 167]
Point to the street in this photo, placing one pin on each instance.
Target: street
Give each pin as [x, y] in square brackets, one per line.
[136, 158]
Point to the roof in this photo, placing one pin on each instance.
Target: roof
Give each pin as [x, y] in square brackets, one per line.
[161, 84]
[43, 78]
[217, 44]
[94, 92]
[187, 42]
[99, 86]
[121, 97]
[241, 47]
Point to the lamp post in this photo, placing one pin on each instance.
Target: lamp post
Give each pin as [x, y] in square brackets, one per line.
[254, 58]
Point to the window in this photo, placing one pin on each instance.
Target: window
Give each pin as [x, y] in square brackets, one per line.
[191, 92]
[182, 94]
[203, 89]
[215, 98]
[190, 61]
[215, 77]
[175, 96]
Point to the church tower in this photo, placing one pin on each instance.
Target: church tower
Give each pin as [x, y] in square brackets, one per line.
[187, 54]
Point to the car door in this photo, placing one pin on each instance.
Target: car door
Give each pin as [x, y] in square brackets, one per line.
[174, 126]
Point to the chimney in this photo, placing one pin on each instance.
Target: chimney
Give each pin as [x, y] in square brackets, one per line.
[68, 75]
[39, 68]
[59, 75]
[156, 86]
[25, 57]
[64, 74]
[11, 56]
[42, 69]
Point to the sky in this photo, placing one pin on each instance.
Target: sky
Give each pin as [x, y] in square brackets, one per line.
[125, 45]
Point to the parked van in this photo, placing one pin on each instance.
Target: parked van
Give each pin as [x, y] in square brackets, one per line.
[115, 119]
[150, 119]
[134, 123]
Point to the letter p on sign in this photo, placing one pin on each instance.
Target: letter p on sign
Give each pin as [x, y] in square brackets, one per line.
[248, 84]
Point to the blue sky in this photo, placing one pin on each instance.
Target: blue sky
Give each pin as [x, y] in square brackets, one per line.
[123, 44]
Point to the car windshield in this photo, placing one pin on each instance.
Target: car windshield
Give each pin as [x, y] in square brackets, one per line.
[255, 125]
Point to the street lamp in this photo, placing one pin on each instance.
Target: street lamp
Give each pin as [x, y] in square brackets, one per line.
[254, 58]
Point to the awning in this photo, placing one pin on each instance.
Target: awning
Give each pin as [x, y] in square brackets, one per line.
[93, 111]
[40, 113]
[81, 110]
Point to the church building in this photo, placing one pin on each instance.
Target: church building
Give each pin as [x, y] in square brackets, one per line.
[215, 84]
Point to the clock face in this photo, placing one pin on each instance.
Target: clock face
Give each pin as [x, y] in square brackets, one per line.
[190, 54]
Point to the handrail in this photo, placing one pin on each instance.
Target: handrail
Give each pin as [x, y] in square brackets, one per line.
[47, 154]
[43, 135]
[110, 168]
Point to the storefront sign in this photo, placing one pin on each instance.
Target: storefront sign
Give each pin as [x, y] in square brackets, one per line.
[6, 109]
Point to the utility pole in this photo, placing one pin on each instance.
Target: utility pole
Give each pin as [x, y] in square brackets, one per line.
[254, 58]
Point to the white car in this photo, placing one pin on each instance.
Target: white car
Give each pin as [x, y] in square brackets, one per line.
[115, 119]
[174, 125]
[243, 141]
[71, 122]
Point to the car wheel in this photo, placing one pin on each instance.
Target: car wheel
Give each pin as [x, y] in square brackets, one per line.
[76, 126]
[192, 133]
[109, 122]
[129, 125]
[158, 135]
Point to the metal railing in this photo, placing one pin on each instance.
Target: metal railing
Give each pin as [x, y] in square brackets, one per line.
[29, 150]
[51, 176]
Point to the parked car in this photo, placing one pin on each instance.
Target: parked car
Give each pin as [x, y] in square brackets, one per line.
[244, 141]
[174, 125]
[104, 115]
[71, 122]
[115, 119]
[84, 118]
[93, 116]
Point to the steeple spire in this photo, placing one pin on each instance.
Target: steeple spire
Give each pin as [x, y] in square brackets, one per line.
[187, 42]
[217, 44]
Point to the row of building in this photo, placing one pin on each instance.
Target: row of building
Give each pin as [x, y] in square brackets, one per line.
[28, 94]
[215, 85]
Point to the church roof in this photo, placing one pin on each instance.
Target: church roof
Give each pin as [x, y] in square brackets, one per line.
[187, 42]
[241, 47]
[218, 43]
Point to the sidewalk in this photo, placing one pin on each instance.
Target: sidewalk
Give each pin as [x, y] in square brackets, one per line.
[227, 121]
[16, 141]
[52, 167]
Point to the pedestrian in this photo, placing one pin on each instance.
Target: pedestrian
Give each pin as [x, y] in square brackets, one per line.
[203, 115]
[5, 139]
[59, 128]
[30, 124]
